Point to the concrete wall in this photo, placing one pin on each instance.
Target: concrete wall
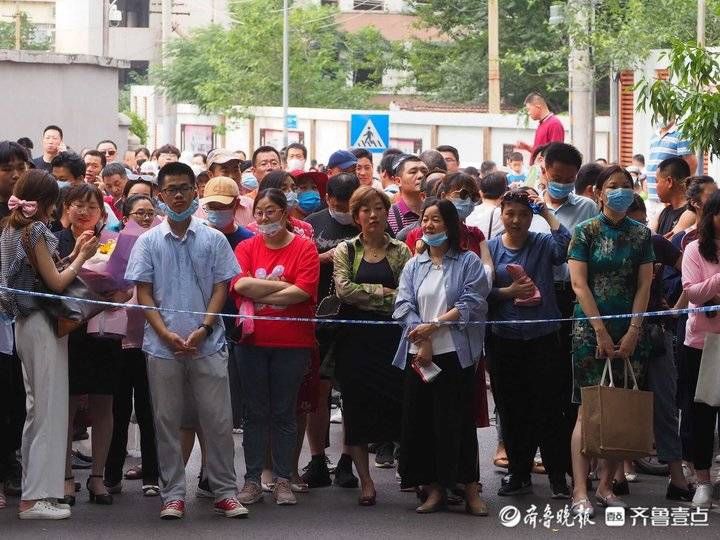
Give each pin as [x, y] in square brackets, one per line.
[77, 93]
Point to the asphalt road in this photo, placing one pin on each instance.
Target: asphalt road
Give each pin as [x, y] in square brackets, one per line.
[333, 513]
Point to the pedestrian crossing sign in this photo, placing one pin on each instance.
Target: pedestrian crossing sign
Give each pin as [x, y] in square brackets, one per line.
[370, 131]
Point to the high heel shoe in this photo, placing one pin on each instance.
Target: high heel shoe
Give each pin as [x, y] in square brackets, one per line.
[68, 499]
[368, 500]
[102, 498]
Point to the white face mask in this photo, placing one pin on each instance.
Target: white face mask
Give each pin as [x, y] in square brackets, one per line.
[296, 164]
[343, 218]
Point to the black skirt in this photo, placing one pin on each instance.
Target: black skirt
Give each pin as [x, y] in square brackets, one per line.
[439, 439]
[92, 363]
[371, 386]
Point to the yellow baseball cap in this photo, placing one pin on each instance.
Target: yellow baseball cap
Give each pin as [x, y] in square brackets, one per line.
[220, 189]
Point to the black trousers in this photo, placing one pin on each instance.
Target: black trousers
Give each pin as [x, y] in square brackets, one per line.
[439, 439]
[132, 383]
[703, 417]
[565, 298]
[528, 377]
[236, 400]
[12, 411]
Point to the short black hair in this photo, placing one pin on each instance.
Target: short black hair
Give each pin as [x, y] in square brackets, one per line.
[434, 160]
[168, 149]
[97, 153]
[114, 168]
[398, 166]
[26, 142]
[104, 141]
[386, 163]
[472, 171]
[274, 180]
[451, 149]
[56, 128]
[342, 186]
[245, 165]
[640, 158]
[563, 153]
[674, 167]
[361, 153]
[175, 168]
[637, 205]
[533, 97]
[71, 161]
[494, 185]
[601, 160]
[515, 156]
[297, 146]
[130, 183]
[201, 155]
[144, 150]
[694, 186]
[608, 172]
[487, 166]
[10, 150]
[265, 148]
[540, 150]
[587, 176]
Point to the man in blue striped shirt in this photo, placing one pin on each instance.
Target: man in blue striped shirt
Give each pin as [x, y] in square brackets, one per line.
[666, 143]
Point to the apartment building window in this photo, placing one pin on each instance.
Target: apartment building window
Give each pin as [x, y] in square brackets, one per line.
[368, 5]
[135, 13]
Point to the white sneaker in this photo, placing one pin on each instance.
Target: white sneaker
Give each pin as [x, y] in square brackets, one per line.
[44, 510]
[336, 417]
[703, 495]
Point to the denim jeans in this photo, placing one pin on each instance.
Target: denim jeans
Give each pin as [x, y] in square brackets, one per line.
[662, 380]
[270, 379]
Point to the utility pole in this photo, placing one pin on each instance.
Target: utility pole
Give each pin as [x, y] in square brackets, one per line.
[493, 58]
[581, 79]
[700, 169]
[106, 28]
[17, 25]
[168, 130]
[286, 70]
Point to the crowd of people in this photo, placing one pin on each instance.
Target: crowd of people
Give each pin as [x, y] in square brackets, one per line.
[433, 264]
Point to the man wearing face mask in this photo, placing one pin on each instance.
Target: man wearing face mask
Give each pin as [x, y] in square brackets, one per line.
[226, 164]
[296, 156]
[220, 203]
[248, 182]
[332, 225]
[560, 167]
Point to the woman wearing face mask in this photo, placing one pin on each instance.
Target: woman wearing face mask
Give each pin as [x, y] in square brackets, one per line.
[611, 263]
[279, 272]
[366, 272]
[131, 390]
[285, 182]
[248, 182]
[311, 189]
[443, 284]
[525, 364]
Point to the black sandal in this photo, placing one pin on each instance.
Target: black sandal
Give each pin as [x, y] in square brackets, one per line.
[102, 498]
[69, 499]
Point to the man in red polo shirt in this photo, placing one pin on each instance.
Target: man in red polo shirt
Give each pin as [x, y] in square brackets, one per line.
[550, 129]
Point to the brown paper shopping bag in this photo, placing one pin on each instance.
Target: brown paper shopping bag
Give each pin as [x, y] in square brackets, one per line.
[617, 423]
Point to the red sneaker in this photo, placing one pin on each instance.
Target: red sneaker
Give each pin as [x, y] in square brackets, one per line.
[173, 510]
[231, 508]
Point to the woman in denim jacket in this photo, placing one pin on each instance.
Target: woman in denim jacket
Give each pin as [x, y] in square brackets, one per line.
[443, 284]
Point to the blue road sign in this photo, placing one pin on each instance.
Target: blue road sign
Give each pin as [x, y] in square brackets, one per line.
[370, 131]
[292, 121]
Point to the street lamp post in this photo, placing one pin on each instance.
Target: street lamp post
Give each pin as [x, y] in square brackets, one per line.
[700, 168]
[285, 71]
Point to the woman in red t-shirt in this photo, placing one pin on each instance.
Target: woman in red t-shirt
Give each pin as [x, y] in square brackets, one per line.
[280, 271]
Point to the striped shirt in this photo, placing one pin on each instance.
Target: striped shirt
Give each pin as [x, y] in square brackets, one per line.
[663, 147]
[401, 216]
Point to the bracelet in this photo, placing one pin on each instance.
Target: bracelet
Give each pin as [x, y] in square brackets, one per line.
[637, 326]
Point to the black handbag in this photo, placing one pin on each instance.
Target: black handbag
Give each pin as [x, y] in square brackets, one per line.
[331, 305]
[69, 313]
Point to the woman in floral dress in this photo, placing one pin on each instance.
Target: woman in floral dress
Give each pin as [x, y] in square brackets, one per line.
[610, 259]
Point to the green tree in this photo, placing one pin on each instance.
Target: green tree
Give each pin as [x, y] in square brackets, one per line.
[29, 39]
[227, 70]
[690, 96]
[533, 53]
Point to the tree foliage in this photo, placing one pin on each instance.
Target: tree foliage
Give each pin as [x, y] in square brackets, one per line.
[227, 70]
[691, 95]
[533, 53]
[29, 39]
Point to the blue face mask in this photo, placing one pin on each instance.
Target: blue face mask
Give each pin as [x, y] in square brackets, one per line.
[620, 199]
[63, 184]
[182, 216]
[249, 182]
[560, 191]
[434, 240]
[220, 219]
[309, 201]
[464, 207]
[292, 199]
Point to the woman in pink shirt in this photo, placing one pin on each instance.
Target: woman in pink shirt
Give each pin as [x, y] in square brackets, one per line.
[701, 283]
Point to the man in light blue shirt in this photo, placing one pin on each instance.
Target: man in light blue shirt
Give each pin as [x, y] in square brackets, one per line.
[184, 265]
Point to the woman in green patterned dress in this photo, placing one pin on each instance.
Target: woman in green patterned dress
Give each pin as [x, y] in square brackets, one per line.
[610, 259]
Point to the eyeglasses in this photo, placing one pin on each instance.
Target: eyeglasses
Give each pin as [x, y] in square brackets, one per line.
[80, 208]
[269, 213]
[109, 152]
[172, 191]
[144, 214]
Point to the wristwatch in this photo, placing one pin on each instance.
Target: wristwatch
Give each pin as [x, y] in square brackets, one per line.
[208, 329]
[436, 323]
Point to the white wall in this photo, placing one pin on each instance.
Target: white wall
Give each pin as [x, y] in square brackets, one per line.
[78, 27]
